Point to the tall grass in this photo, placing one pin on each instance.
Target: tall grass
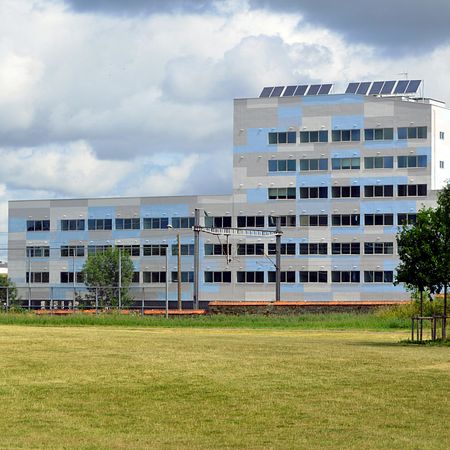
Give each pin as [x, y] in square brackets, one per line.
[341, 321]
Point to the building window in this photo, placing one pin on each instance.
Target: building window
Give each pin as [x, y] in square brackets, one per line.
[186, 277]
[345, 248]
[285, 276]
[411, 161]
[345, 276]
[345, 220]
[250, 249]
[67, 277]
[217, 249]
[282, 165]
[285, 249]
[412, 132]
[154, 249]
[281, 193]
[99, 224]
[152, 223]
[37, 277]
[38, 225]
[285, 221]
[307, 165]
[378, 276]
[38, 252]
[72, 225]
[132, 250]
[136, 277]
[98, 249]
[217, 277]
[314, 192]
[186, 249]
[441, 135]
[320, 276]
[378, 134]
[183, 222]
[154, 277]
[72, 250]
[289, 137]
[378, 248]
[383, 190]
[406, 219]
[345, 135]
[250, 221]
[345, 163]
[379, 162]
[412, 190]
[379, 219]
[250, 277]
[217, 222]
[345, 191]
[128, 224]
[314, 220]
[313, 136]
[441, 164]
[313, 248]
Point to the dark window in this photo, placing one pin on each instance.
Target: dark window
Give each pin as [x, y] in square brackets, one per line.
[217, 277]
[282, 165]
[38, 225]
[285, 249]
[286, 221]
[281, 193]
[154, 277]
[99, 224]
[250, 221]
[183, 222]
[72, 225]
[155, 223]
[154, 249]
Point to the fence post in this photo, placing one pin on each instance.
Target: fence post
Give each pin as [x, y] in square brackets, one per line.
[96, 300]
[412, 329]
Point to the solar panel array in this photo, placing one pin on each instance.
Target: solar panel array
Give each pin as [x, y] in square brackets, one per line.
[296, 90]
[384, 87]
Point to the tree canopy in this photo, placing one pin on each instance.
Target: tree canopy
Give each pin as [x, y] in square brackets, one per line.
[101, 275]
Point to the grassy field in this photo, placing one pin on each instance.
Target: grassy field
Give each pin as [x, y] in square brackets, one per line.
[105, 387]
[336, 321]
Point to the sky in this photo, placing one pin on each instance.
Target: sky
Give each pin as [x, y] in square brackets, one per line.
[124, 98]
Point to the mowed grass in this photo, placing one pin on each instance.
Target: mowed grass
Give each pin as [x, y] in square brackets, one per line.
[104, 387]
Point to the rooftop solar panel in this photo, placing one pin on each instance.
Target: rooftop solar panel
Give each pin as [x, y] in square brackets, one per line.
[277, 90]
[413, 86]
[325, 89]
[289, 91]
[351, 88]
[301, 89]
[387, 87]
[266, 92]
[313, 89]
[363, 88]
[401, 87]
[376, 87]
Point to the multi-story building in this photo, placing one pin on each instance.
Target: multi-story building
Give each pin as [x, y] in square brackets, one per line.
[343, 171]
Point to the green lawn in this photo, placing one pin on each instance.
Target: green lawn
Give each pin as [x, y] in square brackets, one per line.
[106, 387]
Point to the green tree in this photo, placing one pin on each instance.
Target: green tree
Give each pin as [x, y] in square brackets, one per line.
[443, 224]
[8, 291]
[101, 276]
[418, 249]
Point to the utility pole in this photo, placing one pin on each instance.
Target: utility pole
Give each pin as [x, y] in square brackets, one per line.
[196, 257]
[179, 271]
[278, 259]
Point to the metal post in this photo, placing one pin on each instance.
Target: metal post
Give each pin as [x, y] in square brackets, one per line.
[29, 280]
[73, 270]
[120, 278]
[167, 282]
[278, 260]
[179, 272]
[196, 258]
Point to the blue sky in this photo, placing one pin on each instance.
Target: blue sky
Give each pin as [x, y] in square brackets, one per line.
[113, 97]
